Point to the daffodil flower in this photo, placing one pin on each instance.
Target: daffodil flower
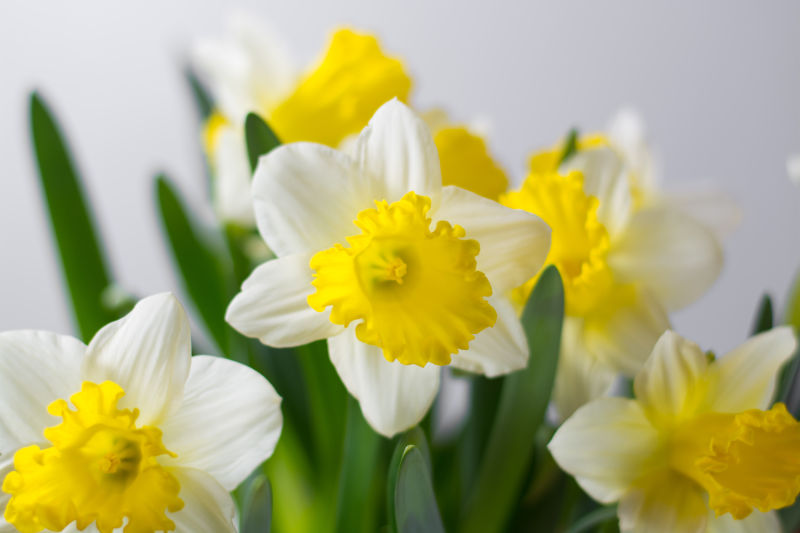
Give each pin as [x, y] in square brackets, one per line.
[129, 433]
[625, 263]
[697, 450]
[251, 71]
[402, 275]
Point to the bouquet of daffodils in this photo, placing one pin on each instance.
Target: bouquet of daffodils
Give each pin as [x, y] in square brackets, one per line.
[395, 338]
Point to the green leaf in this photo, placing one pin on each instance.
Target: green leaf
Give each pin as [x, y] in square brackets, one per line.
[82, 259]
[570, 146]
[523, 403]
[413, 437]
[359, 498]
[257, 506]
[415, 509]
[764, 317]
[205, 106]
[259, 137]
[201, 272]
[792, 312]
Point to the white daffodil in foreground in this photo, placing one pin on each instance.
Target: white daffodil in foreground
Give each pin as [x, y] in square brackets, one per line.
[401, 274]
[698, 449]
[624, 263]
[128, 431]
[251, 71]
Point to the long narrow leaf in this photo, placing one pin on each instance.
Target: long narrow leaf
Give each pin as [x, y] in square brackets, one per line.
[201, 272]
[522, 407]
[414, 437]
[259, 137]
[82, 259]
[358, 497]
[414, 500]
[764, 316]
[257, 506]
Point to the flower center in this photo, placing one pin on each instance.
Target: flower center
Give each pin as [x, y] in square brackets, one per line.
[745, 461]
[579, 242]
[339, 97]
[418, 292]
[100, 468]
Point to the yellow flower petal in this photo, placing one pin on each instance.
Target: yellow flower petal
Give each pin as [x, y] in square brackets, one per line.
[467, 163]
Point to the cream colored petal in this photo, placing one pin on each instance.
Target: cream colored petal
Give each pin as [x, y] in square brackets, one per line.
[673, 255]
[514, 243]
[581, 376]
[397, 152]
[147, 353]
[307, 197]
[757, 522]
[671, 383]
[605, 178]
[208, 507]
[36, 368]
[233, 199]
[272, 305]
[606, 445]
[498, 350]
[664, 502]
[394, 397]
[713, 208]
[745, 377]
[228, 423]
[622, 333]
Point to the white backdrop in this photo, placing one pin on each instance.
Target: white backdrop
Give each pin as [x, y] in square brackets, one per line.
[718, 83]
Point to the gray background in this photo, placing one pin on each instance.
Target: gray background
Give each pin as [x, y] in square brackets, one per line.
[718, 83]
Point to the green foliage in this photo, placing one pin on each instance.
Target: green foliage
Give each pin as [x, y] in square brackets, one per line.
[763, 320]
[570, 146]
[259, 137]
[82, 258]
[257, 506]
[414, 503]
[523, 403]
[197, 261]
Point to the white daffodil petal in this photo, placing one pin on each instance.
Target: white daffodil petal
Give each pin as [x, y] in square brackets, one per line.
[397, 152]
[228, 423]
[147, 353]
[604, 177]
[624, 335]
[272, 305]
[672, 254]
[393, 396]
[669, 382]
[307, 197]
[36, 368]
[606, 445]
[581, 376]
[714, 209]
[745, 377]
[233, 199]
[757, 522]
[666, 503]
[208, 507]
[498, 350]
[514, 243]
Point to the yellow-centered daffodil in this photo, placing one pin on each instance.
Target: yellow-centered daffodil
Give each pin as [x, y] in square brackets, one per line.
[129, 433]
[329, 103]
[699, 449]
[401, 274]
[625, 259]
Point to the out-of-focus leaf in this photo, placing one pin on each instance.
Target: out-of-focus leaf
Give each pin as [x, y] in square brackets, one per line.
[521, 411]
[82, 259]
[359, 498]
[205, 106]
[415, 509]
[201, 271]
[257, 506]
[763, 319]
[792, 313]
[413, 437]
[259, 137]
[570, 146]
[788, 390]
